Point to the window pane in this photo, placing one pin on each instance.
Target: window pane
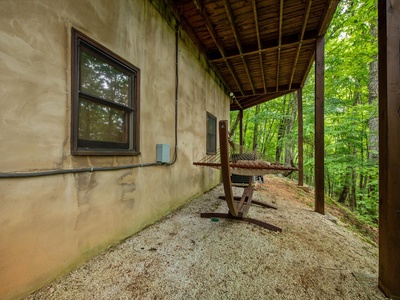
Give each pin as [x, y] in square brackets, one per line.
[211, 134]
[99, 122]
[101, 79]
[211, 143]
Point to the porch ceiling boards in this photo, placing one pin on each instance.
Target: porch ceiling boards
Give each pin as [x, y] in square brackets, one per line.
[261, 49]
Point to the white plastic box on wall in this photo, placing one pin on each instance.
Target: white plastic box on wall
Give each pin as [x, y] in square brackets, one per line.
[163, 153]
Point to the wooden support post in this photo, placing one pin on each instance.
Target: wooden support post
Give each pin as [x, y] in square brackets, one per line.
[300, 135]
[389, 147]
[319, 126]
[226, 174]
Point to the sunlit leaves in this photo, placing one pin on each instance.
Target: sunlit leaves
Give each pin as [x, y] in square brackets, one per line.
[350, 48]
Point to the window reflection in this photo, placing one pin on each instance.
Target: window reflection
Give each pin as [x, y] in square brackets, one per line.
[101, 123]
[99, 78]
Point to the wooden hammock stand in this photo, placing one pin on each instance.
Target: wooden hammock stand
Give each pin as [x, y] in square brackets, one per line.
[239, 206]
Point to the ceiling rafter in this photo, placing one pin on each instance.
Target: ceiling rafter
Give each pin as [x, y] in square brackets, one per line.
[217, 41]
[259, 44]
[278, 65]
[254, 100]
[303, 30]
[238, 43]
[329, 10]
[264, 50]
[270, 90]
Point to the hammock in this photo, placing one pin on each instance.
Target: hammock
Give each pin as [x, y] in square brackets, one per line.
[249, 163]
[242, 163]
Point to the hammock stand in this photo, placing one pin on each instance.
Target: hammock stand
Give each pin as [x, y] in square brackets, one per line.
[239, 206]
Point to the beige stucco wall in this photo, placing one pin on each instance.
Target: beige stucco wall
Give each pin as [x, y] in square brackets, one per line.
[49, 225]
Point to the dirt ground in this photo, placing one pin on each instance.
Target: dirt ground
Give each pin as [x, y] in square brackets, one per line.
[184, 256]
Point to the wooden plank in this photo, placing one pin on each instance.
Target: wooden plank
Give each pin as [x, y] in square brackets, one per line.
[303, 30]
[389, 147]
[217, 41]
[246, 199]
[278, 59]
[319, 127]
[264, 82]
[237, 39]
[266, 49]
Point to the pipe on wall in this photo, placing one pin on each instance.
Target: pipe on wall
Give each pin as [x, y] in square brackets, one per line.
[115, 168]
[176, 95]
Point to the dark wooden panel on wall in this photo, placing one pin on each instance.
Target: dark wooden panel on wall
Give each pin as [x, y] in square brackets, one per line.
[389, 148]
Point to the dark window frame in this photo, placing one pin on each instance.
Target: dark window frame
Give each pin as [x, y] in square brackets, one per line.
[131, 146]
[211, 149]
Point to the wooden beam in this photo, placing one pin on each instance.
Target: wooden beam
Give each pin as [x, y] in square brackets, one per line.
[270, 91]
[228, 11]
[330, 8]
[254, 100]
[225, 170]
[389, 147]
[278, 64]
[319, 127]
[217, 41]
[233, 73]
[303, 30]
[259, 44]
[210, 27]
[264, 50]
[300, 135]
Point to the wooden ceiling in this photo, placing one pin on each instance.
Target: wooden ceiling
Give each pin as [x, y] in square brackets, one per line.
[261, 49]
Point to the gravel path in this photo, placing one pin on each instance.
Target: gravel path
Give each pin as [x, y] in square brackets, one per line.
[186, 257]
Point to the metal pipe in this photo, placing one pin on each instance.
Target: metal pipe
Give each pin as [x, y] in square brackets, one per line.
[176, 95]
[69, 171]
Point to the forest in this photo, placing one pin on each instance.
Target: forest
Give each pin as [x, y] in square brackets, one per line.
[350, 114]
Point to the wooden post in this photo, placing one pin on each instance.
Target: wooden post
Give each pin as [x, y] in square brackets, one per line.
[226, 173]
[319, 126]
[300, 135]
[389, 147]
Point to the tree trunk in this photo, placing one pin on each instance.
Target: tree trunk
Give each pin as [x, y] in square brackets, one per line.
[255, 133]
[281, 132]
[268, 134]
[353, 198]
[343, 194]
[245, 129]
[373, 100]
[289, 146]
[234, 125]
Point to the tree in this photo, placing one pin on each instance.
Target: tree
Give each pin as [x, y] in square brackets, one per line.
[351, 114]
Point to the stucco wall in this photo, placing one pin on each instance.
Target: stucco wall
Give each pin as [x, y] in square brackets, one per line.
[49, 225]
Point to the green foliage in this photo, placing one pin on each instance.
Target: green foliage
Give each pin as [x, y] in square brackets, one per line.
[351, 45]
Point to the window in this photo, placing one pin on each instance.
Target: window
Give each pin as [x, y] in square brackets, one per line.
[105, 101]
[211, 134]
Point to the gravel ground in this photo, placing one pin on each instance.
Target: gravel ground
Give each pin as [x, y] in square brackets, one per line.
[184, 256]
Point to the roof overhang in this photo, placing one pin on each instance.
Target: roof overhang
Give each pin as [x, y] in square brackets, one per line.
[261, 49]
